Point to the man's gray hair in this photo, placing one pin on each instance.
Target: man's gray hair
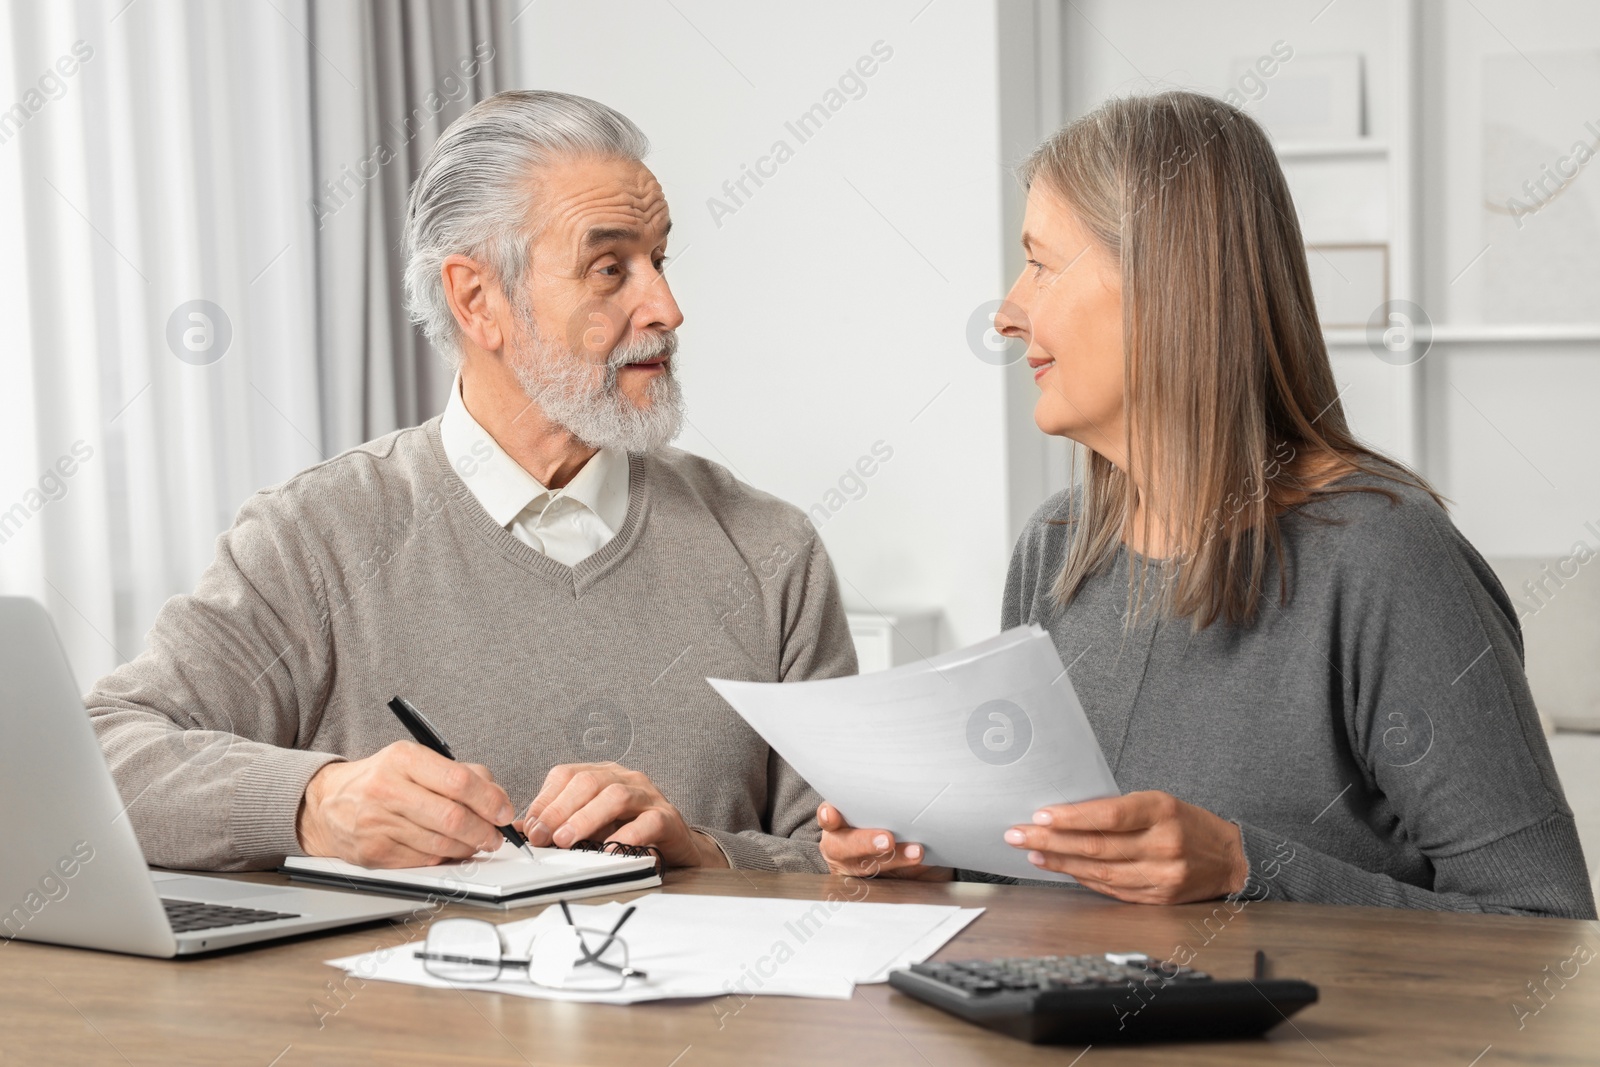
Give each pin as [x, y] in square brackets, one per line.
[472, 197]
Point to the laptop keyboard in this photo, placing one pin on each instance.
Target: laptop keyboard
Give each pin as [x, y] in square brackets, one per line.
[189, 915]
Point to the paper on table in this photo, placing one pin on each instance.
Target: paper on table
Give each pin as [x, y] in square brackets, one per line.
[926, 945]
[949, 752]
[703, 946]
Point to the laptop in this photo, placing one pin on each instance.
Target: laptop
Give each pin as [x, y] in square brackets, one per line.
[71, 870]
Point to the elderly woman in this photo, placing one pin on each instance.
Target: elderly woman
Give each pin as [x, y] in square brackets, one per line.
[1307, 683]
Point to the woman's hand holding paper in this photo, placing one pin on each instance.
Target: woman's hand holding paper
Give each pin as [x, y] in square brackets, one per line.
[871, 853]
[1147, 848]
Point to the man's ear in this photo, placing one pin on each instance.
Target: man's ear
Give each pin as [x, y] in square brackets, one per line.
[476, 301]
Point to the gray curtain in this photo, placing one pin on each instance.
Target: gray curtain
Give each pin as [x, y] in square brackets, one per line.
[387, 76]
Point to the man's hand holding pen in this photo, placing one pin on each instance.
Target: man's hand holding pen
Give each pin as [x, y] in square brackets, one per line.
[403, 806]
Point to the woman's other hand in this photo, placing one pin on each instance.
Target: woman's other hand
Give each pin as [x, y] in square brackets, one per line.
[871, 853]
[1147, 848]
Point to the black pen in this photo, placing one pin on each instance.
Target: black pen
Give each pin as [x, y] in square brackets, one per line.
[421, 729]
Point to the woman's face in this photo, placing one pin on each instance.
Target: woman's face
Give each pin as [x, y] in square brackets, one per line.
[1067, 308]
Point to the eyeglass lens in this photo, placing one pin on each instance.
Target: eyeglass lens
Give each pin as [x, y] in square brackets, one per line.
[463, 950]
[567, 957]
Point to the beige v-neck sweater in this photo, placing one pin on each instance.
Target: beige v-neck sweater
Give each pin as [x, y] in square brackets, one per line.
[377, 573]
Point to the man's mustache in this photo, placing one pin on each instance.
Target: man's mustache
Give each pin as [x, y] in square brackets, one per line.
[642, 348]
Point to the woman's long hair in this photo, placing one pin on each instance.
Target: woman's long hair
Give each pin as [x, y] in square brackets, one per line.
[1230, 399]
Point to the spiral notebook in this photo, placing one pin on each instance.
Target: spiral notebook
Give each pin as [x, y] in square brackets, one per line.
[508, 878]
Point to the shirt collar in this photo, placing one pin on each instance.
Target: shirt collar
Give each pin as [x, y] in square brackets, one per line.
[504, 487]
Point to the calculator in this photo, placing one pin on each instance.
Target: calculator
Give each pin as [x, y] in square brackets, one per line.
[1117, 997]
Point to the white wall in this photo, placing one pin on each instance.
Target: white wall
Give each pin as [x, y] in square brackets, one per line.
[828, 312]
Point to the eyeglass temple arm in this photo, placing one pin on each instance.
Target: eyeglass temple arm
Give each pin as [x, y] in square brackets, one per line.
[593, 956]
[612, 936]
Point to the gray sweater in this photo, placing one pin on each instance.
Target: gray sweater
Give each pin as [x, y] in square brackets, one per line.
[378, 573]
[1374, 737]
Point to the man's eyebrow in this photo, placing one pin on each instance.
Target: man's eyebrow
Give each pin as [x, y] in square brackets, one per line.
[602, 235]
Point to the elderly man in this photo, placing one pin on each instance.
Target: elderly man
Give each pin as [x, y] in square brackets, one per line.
[535, 569]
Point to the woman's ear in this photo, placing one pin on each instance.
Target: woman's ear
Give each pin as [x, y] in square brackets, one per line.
[476, 302]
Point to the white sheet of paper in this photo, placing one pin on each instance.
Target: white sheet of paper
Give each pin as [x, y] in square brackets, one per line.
[949, 752]
[707, 946]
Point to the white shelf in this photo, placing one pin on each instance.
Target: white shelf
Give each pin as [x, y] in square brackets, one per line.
[1360, 148]
[1533, 334]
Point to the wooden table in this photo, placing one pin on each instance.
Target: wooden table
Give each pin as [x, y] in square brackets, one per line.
[1398, 987]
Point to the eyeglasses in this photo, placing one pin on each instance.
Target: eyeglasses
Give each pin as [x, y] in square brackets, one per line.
[568, 957]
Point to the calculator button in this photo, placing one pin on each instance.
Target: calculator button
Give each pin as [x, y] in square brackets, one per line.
[1136, 959]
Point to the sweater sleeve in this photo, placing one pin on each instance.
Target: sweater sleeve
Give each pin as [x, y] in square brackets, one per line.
[1537, 870]
[200, 730]
[816, 644]
[1427, 658]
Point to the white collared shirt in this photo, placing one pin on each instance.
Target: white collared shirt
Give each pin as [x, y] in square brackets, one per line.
[569, 524]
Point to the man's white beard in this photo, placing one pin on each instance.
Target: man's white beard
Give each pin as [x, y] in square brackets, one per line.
[583, 398]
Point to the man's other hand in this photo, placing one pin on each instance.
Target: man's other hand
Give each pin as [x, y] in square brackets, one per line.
[582, 801]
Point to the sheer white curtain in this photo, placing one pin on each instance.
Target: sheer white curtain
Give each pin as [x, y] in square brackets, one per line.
[389, 76]
[179, 327]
